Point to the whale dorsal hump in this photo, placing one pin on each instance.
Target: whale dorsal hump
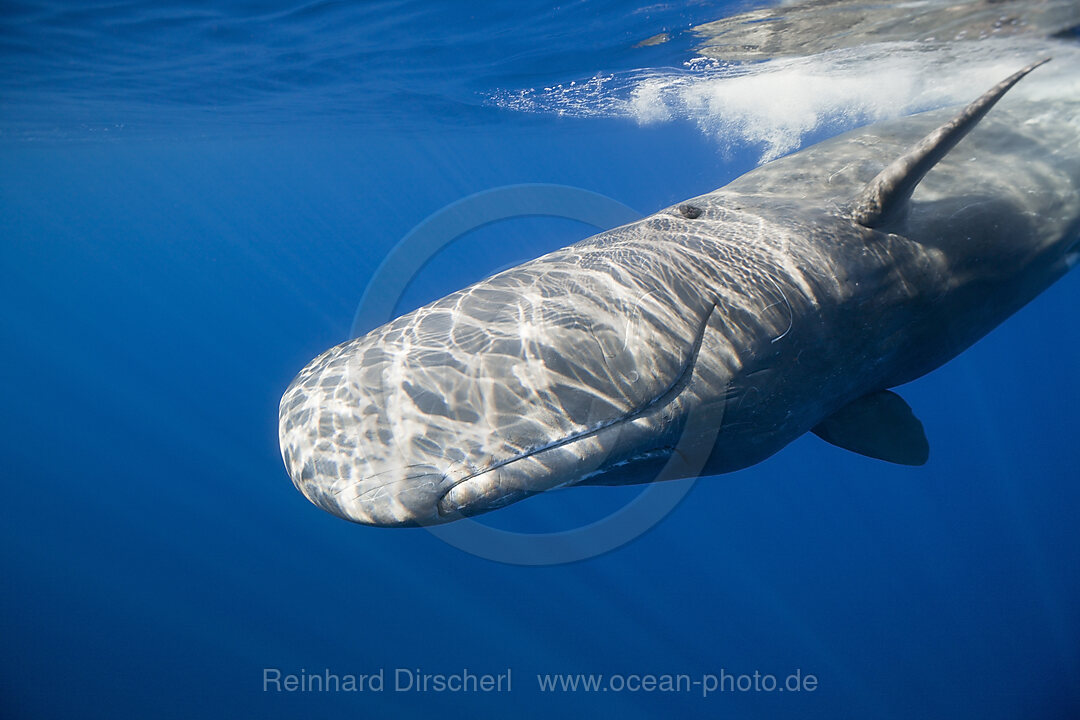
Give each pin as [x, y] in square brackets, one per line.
[879, 425]
[890, 190]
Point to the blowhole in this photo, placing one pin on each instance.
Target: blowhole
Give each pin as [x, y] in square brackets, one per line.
[693, 212]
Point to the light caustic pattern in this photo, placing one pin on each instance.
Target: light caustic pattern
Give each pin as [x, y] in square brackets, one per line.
[543, 375]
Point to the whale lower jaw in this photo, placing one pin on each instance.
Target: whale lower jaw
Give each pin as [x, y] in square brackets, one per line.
[571, 460]
[562, 463]
[569, 463]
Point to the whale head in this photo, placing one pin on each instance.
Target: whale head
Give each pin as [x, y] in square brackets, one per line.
[531, 380]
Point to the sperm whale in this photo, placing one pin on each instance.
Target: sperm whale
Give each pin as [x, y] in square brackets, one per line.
[788, 301]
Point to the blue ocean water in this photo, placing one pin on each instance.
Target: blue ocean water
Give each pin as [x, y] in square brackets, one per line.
[193, 198]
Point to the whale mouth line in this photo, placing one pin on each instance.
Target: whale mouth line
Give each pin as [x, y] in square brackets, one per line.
[669, 394]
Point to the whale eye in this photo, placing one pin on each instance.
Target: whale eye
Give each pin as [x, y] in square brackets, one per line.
[689, 211]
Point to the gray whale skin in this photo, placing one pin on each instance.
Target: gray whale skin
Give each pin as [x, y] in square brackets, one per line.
[787, 301]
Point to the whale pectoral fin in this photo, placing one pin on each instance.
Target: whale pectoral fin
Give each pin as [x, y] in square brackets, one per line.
[879, 425]
[887, 193]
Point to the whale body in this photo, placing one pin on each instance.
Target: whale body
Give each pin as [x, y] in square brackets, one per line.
[790, 300]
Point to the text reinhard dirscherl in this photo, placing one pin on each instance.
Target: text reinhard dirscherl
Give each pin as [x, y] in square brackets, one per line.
[467, 681]
[400, 680]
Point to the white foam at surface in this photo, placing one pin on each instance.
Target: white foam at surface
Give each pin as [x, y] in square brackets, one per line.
[774, 105]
